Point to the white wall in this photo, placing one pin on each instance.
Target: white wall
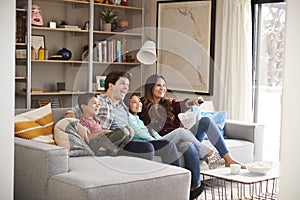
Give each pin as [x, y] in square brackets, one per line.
[7, 41]
[290, 148]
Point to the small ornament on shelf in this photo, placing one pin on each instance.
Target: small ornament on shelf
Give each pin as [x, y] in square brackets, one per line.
[124, 2]
[32, 53]
[114, 26]
[65, 53]
[52, 24]
[117, 2]
[37, 15]
[108, 2]
[123, 24]
[41, 53]
[86, 25]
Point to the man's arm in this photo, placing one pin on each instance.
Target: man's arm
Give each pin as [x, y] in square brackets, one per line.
[97, 133]
[69, 115]
[74, 112]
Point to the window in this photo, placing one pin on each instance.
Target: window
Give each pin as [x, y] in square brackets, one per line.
[268, 64]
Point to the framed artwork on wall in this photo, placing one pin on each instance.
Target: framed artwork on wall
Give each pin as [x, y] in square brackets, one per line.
[185, 45]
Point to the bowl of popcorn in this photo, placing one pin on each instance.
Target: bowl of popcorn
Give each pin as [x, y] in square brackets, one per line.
[260, 167]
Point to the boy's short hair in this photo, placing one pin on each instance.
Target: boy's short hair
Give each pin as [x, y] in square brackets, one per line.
[84, 99]
[114, 76]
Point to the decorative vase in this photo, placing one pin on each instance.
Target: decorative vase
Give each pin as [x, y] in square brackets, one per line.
[114, 26]
[107, 27]
[65, 53]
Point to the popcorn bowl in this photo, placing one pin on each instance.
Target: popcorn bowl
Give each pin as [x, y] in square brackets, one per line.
[260, 167]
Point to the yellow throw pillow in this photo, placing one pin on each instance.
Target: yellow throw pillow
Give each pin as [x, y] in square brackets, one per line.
[36, 125]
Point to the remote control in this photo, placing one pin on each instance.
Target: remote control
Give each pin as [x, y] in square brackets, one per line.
[192, 103]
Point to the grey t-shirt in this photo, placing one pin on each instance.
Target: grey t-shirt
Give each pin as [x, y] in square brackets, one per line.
[120, 116]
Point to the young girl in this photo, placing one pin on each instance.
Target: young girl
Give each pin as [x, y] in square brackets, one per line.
[179, 135]
[102, 142]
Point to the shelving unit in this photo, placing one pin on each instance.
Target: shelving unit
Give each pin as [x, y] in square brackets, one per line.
[78, 74]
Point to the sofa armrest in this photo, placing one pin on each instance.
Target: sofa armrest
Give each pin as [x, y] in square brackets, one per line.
[252, 132]
[35, 162]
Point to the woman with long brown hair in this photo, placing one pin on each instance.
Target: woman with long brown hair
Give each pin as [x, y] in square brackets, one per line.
[161, 114]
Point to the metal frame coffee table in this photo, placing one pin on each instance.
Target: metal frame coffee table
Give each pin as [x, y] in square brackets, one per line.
[223, 185]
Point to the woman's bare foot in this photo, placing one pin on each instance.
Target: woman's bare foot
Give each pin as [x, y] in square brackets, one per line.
[229, 160]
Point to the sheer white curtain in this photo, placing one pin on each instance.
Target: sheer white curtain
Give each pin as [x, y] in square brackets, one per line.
[236, 59]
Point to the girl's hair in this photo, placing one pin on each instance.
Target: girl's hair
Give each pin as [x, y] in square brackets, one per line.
[128, 96]
[148, 99]
[84, 99]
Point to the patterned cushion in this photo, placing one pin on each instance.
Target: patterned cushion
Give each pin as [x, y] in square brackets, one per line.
[219, 117]
[35, 125]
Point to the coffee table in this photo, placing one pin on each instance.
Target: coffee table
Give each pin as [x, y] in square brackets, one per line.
[223, 185]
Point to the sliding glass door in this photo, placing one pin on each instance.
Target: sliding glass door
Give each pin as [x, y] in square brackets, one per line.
[268, 65]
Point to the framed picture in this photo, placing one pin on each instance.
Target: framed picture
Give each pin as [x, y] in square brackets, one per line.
[38, 41]
[185, 45]
[100, 82]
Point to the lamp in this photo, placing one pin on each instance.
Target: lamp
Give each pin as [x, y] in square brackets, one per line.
[147, 54]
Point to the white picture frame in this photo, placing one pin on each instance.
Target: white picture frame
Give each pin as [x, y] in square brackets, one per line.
[100, 82]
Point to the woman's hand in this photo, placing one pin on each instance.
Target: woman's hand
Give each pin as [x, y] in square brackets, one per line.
[197, 102]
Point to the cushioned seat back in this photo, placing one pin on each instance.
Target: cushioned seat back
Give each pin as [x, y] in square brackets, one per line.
[57, 113]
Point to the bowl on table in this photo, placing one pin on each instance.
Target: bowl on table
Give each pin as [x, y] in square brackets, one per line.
[260, 167]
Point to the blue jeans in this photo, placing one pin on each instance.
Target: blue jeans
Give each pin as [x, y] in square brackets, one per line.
[167, 150]
[206, 126]
[138, 149]
[191, 159]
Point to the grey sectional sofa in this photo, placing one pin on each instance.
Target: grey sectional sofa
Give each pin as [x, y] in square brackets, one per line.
[47, 172]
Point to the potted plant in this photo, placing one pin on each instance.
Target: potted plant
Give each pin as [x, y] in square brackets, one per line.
[108, 16]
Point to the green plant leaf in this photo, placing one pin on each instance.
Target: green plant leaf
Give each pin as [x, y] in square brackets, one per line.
[108, 15]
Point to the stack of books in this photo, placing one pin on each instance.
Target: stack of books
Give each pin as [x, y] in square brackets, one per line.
[113, 50]
[69, 27]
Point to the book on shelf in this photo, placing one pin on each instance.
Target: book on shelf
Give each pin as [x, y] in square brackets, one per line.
[98, 51]
[110, 50]
[104, 50]
[124, 50]
[118, 51]
[69, 26]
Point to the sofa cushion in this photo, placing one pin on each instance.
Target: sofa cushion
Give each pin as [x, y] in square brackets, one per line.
[241, 150]
[35, 125]
[65, 135]
[219, 117]
[120, 177]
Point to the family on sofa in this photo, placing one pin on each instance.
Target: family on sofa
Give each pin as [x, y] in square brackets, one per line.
[160, 114]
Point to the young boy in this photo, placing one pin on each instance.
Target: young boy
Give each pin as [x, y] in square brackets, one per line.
[102, 142]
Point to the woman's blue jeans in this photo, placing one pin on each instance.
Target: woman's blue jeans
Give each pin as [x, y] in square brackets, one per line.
[191, 160]
[207, 127]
